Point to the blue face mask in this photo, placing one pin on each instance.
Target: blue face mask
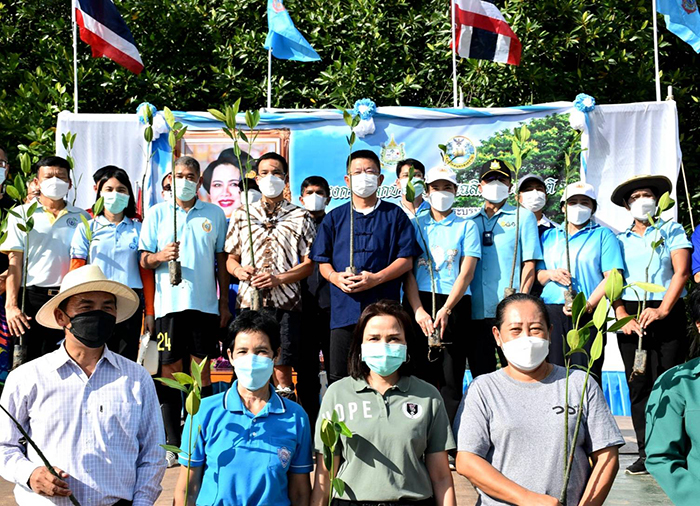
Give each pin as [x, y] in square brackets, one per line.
[253, 371]
[185, 189]
[382, 358]
[115, 202]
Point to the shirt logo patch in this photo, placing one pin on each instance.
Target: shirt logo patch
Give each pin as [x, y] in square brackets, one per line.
[506, 224]
[206, 226]
[412, 411]
[72, 222]
[134, 244]
[284, 455]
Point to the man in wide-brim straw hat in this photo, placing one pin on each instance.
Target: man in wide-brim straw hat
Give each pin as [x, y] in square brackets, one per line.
[93, 413]
[662, 324]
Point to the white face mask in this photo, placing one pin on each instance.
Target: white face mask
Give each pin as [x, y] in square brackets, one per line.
[364, 185]
[54, 188]
[168, 196]
[253, 196]
[314, 202]
[578, 214]
[526, 353]
[271, 186]
[418, 186]
[642, 207]
[441, 201]
[3, 174]
[495, 192]
[534, 200]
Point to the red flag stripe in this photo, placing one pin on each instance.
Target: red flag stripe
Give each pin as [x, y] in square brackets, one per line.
[100, 47]
[484, 22]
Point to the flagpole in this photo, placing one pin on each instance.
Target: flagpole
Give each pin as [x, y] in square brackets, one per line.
[75, 58]
[454, 57]
[269, 78]
[656, 52]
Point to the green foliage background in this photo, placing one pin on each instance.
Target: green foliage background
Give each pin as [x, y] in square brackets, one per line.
[204, 53]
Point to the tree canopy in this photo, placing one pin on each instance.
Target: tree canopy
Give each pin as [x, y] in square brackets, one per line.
[206, 53]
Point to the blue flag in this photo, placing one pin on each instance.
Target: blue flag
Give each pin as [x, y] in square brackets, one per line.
[682, 19]
[284, 38]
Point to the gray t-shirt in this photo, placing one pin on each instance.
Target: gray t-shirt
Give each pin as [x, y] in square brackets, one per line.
[519, 427]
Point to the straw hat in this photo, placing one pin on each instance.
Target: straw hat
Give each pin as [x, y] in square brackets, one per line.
[661, 184]
[89, 278]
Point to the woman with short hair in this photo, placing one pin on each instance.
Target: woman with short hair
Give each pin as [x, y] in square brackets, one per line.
[250, 446]
[509, 429]
[397, 455]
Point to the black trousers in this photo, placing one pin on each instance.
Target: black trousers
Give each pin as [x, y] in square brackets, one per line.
[483, 350]
[666, 342]
[341, 339]
[558, 347]
[125, 340]
[446, 371]
[315, 337]
[38, 339]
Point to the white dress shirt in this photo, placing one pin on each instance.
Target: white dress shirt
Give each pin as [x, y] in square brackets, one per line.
[105, 431]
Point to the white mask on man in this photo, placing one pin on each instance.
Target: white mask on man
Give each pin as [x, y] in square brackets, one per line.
[534, 200]
[495, 192]
[54, 188]
[642, 207]
[364, 185]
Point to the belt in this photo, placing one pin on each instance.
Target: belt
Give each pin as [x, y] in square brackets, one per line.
[123, 502]
[400, 502]
[44, 290]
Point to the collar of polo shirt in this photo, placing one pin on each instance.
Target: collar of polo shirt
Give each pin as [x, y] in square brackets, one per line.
[233, 402]
[403, 384]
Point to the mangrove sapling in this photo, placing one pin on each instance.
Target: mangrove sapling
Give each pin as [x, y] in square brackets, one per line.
[520, 151]
[351, 121]
[147, 119]
[25, 224]
[252, 118]
[43, 458]
[176, 133]
[97, 208]
[330, 435]
[68, 141]
[574, 149]
[192, 388]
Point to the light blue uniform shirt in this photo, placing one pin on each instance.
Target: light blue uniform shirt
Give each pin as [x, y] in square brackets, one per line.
[114, 248]
[492, 274]
[201, 232]
[247, 457]
[636, 252]
[449, 240]
[593, 250]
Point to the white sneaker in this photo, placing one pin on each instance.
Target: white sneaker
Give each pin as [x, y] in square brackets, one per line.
[171, 459]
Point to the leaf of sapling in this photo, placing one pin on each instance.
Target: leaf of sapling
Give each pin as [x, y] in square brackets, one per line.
[651, 219]
[236, 108]
[98, 207]
[88, 230]
[192, 402]
[615, 327]
[21, 227]
[356, 120]
[13, 212]
[327, 433]
[64, 141]
[335, 418]
[524, 133]
[181, 133]
[347, 117]
[30, 225]
[658, 243]
[597, 348]
[183, 378]
[172, 140]
[665, 202]
[327, 457]
[339, 486]
[25, 163]
[572, 339]
[148, 134]
[584, 334]
[352, 138]
[178, 126]
[649, 287]
[169, 117]
[171, 448]
[218, 115]
[256, 119]
[196, 372]
[613, 285]
[601, 313]
[249, 119]
[13, 193]
[344, 430]
[243, 136]
[236, 150]
[410, 191]
[578, 306]
[172, 384]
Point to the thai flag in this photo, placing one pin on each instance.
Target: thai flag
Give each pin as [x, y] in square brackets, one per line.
[482, 33]
[103, 28]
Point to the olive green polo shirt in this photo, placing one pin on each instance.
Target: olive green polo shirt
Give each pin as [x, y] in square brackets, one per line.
[384, 460]
[673, 433]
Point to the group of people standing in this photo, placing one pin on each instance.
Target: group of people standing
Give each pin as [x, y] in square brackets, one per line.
[370, 284]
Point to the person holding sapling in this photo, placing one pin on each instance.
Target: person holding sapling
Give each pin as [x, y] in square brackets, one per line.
[451, 248]
[384, 247]
[91, 413]
[401, 434]
[512, 418]
[673, 422]
[315, 305]
[496, 225]
[188, 315]
[660, 319]
[282, 234]
[110, 241]
[419, 204]
[47, 254]
[250, 445]
[593, 252]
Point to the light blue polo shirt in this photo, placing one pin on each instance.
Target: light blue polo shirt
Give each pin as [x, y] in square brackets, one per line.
[201, 232]
[449, 240]
[636, 253]
[492, 274]
[247, 457]
[114, 248]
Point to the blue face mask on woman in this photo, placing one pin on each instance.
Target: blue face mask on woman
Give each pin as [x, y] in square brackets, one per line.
[383, 358]
[253, 371]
